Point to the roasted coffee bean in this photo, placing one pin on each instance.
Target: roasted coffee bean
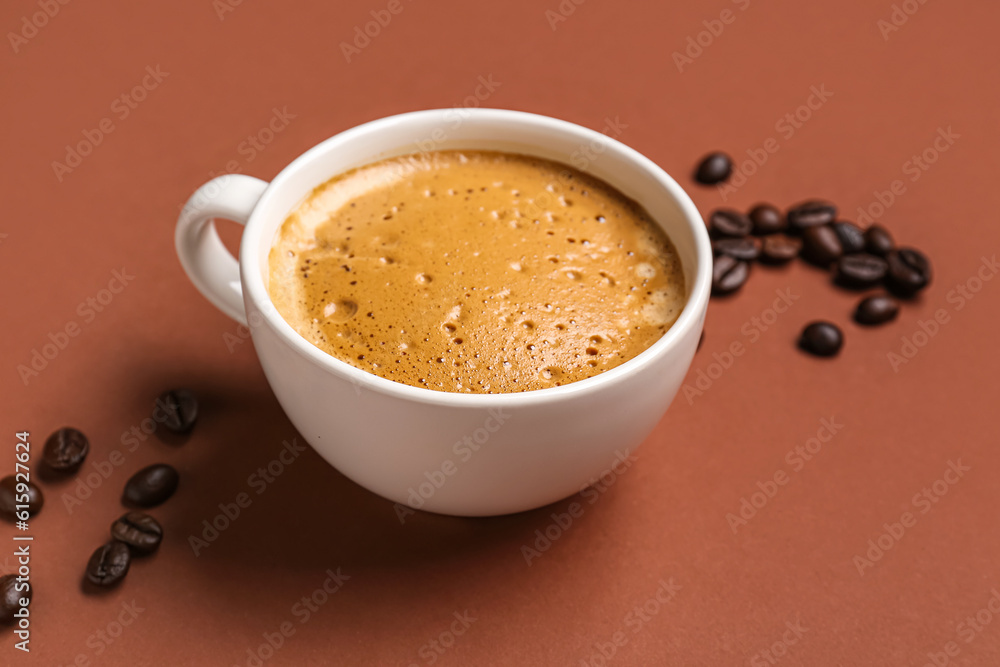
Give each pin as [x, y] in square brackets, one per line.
[177, 409]
[820, 245]
[811, 214]
[713, 168]
[747, 249]
[11, 497]
[822, 339]
[779, 248]
[151, 486]
[726, 222]
[860, 270]
[141, 532]
[728, 274]
[11, 592]
[909, 271]
[878, 240]
[876, 309]
[65, 450]
[701, 339]
[109, 564]
[852, 239]
[767, 219]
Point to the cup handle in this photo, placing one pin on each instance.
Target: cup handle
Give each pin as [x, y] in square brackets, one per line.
[212, 268]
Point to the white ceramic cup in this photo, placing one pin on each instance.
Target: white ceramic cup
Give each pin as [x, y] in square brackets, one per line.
[463, 454]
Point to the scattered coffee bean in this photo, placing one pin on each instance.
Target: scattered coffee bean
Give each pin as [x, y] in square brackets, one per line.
[11, 497]
[141, 532]
[860, 270]
[701, 339]
[747, 249]
[65, 450]
[179, 409]
[909, 271]
[876, 309]
[779, 248]
[878, 240]
[767, 219]
[820, 245]
[811, 214]
[822, 339]
[11, 592]
[852, 239]
[151, 486]
[109, 564]
[726, 222]
[728, 274]
[713, 168]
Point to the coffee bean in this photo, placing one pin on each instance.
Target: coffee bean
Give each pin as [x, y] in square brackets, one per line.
[109, 564]
[811, 214]
[713, 168]
[767, 219]
[728, 274]
[860, 270]
[65, 450]
[878, 240]
[151, 486]
[725, 222]
[820, 245]
[11, 592]
[822, 339]
[178, 409]
[141, 532]
[747, 249]
[852, 239]
[11, 497]
[909, 271]
[701, 339]
[779, 249]
[876, 309]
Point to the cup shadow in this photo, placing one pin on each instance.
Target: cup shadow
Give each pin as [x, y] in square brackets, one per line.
[241, 515]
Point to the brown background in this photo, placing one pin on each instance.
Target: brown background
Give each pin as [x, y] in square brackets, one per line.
[666, 516]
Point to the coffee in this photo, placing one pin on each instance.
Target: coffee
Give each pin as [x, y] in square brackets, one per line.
[475, 271]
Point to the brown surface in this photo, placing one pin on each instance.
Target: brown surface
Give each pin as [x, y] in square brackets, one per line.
[666, 518]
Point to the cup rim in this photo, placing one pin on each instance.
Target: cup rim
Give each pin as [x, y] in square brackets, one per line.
[253, 281]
